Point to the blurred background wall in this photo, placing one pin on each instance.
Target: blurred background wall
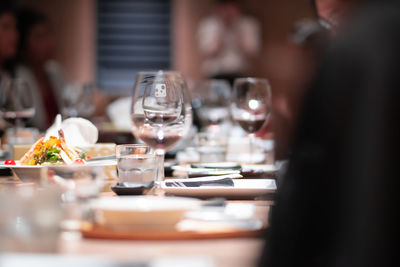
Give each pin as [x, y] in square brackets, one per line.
[74, 23]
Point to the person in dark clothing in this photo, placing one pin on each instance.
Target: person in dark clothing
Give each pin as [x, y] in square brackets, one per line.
[37, 66]
[333, 14]
[8, 48]
[338, 204]
[8, 38]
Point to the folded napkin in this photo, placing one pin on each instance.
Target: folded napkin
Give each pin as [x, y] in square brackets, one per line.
[78, 132]
[119, 113]
[188, 171]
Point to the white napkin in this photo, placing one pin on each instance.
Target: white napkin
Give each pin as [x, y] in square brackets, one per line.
[119, 113]
[78, 132]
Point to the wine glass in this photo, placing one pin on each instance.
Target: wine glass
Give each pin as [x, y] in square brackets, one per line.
[213, 97]
[161, 112]
[251, 106]
[77, 100]
[16, 101]
[78, 184]
[17, 107]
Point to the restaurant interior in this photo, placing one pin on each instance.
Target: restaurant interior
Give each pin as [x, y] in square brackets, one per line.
[199, 133]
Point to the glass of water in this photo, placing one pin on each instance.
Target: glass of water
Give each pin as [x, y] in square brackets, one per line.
[136, 163]
[211, 147]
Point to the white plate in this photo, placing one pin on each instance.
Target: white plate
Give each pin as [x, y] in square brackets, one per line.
[216, 165]
[243, 188]
[229, 212]
[29, 173]
[265, 168]
[143, 211]
[89, 163]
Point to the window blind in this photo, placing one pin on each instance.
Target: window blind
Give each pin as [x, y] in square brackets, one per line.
[132, 36]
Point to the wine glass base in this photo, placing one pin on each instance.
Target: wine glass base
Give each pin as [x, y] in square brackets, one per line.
[70, 225]
[156, 190]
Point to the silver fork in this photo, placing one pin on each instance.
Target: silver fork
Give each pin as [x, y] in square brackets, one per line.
[176, 184]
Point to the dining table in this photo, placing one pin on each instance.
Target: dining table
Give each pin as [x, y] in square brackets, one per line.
[225, 252]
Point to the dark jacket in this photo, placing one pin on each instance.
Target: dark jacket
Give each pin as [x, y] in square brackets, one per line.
[339, 203]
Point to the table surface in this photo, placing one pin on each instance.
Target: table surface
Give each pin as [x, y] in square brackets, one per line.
[224, 252]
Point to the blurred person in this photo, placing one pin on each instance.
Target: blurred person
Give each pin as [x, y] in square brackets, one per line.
[338, 204]
[44, 74]
[8, 46]
[229, 40]
[8, 38]
[301, 58]
[298, 61]
[332, 14]
[38, 67]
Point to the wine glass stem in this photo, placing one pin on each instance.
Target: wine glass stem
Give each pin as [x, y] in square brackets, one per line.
[17, 126]
[252, 139]
[160, 153]
[18, 123]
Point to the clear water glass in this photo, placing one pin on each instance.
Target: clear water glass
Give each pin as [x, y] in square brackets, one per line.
[136, 163]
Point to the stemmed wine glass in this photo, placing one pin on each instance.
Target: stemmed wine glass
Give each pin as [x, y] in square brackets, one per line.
[161, 112]
[77, 100]
[251, 106]
[214, 97]
[78, 184]
[16, 101]
[16, 107]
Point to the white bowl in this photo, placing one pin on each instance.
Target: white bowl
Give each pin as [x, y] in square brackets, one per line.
[143, 212]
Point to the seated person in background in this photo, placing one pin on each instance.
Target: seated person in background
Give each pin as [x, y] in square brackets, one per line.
[228, 41]
[299, 58]
[37, 67]
[333, 14]
[8, 45]
[8, 38]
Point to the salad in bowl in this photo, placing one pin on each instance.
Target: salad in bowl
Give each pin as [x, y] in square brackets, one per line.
[52, 151]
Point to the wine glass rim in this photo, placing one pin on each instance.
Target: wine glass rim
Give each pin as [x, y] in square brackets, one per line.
[132, 145]
[251, 79]
[215, 79]
[157, 71]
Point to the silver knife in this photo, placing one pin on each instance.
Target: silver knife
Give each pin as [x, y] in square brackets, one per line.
[102, 158]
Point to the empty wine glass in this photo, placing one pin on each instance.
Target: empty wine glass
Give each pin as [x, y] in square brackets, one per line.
[78, 100]
[16, 101]
[79, 184]
[16, 108]
[214, 98]
[251, 106]
[161, 112]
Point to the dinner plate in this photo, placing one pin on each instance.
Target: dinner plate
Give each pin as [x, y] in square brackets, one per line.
[242, 189]
[29, 173]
